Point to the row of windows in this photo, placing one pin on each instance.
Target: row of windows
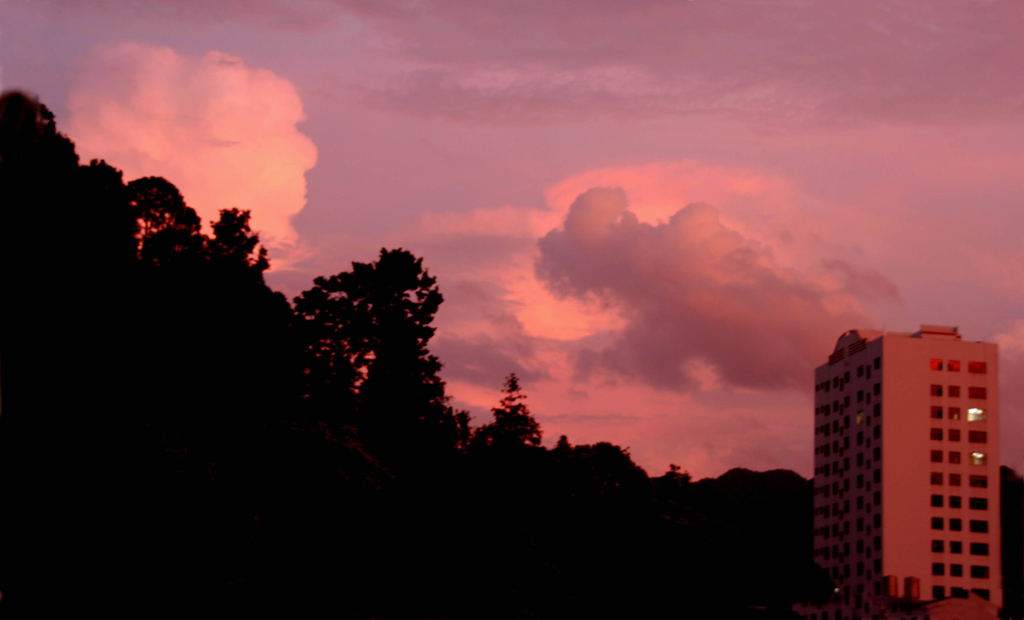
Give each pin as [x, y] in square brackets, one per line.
[840, 382]
[834, 509]
[975, 503]
[976, 458]
[974, 414]
[957, 570]
[954, 435]
[954, 391]
[978, 368]
[957, 525]
[940, 592]
[827, 490]
[978, 482]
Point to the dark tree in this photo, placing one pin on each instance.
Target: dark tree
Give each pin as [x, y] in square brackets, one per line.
[169, 229]
[513, 425]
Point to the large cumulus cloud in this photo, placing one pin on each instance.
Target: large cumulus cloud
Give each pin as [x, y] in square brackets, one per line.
[223, 132]
[697, 296]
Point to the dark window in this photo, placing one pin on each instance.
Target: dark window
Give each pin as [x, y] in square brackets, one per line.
[860, 437]
[860, 481]
[937, 523]
[956, 525]
[877, 432]
[957, 570]
[937, 413]
[977, 437]
[877, 476]
[936, 434]
[954, 434]
[979, 549]
[867, 370]
[978, 368]
[983, 593]
[846, 401]
[978, 503]
[937, 501]
[938, 546]
[878, 410]
[979, 526]
[878, 454]
[936, 390]
[878, 520]
[936, 364]
[860, 396]
[938, 568]
[979, 481]
[936, 456]
[955, 546]
[955, 593]
[954, 480]
[846, 376]
[878, 363]
[954, 501]
[937, 592]
[860, 524]
[954, 391]
[878, 544]
[977, 392]
[936, 477]
[953, 365]
[877, 389]
[979, 572]
[954, 457]
[860, 371]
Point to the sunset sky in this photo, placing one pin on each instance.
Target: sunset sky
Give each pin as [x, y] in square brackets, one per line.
[660, 214]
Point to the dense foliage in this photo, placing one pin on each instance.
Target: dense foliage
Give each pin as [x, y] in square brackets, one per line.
[174, 434]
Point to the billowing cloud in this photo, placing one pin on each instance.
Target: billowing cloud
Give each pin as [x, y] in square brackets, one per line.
[704, 303]
[225, 134]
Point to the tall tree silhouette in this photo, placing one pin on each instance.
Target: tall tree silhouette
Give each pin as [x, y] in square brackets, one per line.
[367, 333]
[513, 425]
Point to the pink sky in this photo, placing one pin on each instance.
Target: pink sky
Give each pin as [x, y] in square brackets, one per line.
[660, 214]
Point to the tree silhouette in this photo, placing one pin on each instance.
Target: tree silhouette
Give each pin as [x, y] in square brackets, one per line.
[513, 425]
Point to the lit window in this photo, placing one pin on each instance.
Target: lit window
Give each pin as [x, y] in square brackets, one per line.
[936, 390]
[977, 392]
[979, 458]
[977, 437]
[937, 413]
[954, 457]
[936, 364]
[954, 413]
[954, 480]
[976, 414]
[979, 526]
[979, 572]
[979, 548]
[936, 434]
[954, 391]
[936, 456]
[953, 365]
[936, 478]
[860, 417]
[978, 368]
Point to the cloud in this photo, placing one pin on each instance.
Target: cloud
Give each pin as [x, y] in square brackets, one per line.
[704, 304]
[225, 134]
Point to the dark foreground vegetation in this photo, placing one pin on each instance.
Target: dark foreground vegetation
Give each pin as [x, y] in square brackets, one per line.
[176, 435]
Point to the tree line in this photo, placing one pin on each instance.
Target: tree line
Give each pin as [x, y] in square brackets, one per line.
[175, 434]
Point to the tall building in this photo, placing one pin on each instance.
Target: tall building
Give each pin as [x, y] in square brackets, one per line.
[906, 472]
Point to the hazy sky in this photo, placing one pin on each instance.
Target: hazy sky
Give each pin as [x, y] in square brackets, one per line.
[660, 214]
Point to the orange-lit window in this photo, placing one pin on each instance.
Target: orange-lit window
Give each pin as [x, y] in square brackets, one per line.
[976, 414]
[979, 458]
[979, 368]
[936, 390]
[977, 392]
[953, 365]
[954, 413]
[936, 364]
[954, 391]
[937, 434]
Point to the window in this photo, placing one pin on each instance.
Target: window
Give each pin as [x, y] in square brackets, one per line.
[978, 503]
[977, 392]
[957, 570]
[846, 401]
[983, 593]
[878, 543]
[860, 396]
[937, 501]
[938, 592]
[954, 501]
[979, 482]
[979, 548]
[878, 363]
[979, 458]
[956, 525]
[936, 478]
[860, 417]
[954, 413]
[877, 432]
[860, 438]
[846, 376]
[835, 382]
[938, 546]
[877, 476]
[936, 390]
[936, 456]
[937, 413]
[860, 524]
[936, 364]
[978, 368]
[877, 389]
[955, 546]
[953, 365]
[878, 520]
[976, 414]
[979, 526]
[979, 572]
[936, 434]
[954, 434]
[860, 371]
[878, 454]
[955, 593]
[938, 568]
[937, 523]
[954, 391]
[977, 437]
[954, 480]
[954, 457]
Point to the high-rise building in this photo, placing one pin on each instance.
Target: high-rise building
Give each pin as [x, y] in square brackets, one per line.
[906, 472]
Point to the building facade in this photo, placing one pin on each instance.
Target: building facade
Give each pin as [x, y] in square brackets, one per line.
[906, 463]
